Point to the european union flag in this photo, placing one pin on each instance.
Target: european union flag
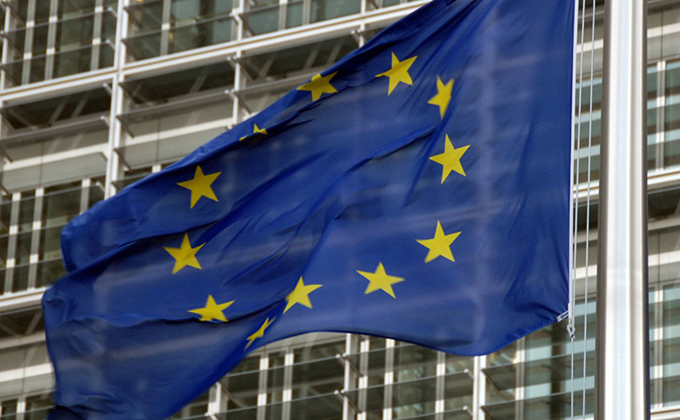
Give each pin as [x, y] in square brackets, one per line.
[418, 189]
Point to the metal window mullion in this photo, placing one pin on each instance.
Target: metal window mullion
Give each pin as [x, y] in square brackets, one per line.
[287, 395]
[283, 13]
[85, 194]
[239, 80]
[479, 388]
[21, 408]
[97, 34]
[440, 385]
[238, 16]
[657, 399]
[349, 377]
[116, 132]
[165, 27]
[122, 27]
[389, 379]
[28, 42]
[362, 34]
[34, 257]
[12, 241]
[113, 165]
[5, 48]
[215, 400]
[306, 12]
[51, 39]
[520, 358]
[239, 83]
[660, 113]
[262, 387]
[364, 368]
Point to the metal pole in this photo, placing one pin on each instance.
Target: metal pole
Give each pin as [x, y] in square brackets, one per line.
[622, 381]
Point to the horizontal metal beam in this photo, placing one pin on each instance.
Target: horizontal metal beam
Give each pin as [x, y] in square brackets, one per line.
[73, 125]
[8, 343]
[656, 180]
[177, 105]
[21, 300]
[209, 55]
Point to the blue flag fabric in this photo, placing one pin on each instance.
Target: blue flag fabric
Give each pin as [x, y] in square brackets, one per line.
[418, 189]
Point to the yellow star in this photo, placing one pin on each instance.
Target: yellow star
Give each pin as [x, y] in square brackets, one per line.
[450, 159]
[200, 186]
[398, 72]
[212, 310]
[256, 130]
[443, 96]
[185, 255]
[440, 245]
[300, 295]
[319, 85]
[259, 333]
[380, 280]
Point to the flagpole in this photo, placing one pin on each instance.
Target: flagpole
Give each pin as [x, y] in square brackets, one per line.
[622, 380]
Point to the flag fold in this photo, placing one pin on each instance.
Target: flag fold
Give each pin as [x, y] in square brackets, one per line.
[418, 189]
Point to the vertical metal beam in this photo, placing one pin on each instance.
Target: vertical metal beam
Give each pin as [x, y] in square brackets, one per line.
[12, 243]
[306, 12]
[113, 167]
[660, 113]
[51, 51]
[349, 377]
[479, 388]
[283, 14]
[85, 195]
[97, 31]
[165, 27]
[520, 378]
[7, 24]
[440, 387]
[622, 382]
[28, 43]
[116, 132]
[364, 359]
[389, 379]
[239, 83]
[34, 257]
[287, 395]
[262, 388]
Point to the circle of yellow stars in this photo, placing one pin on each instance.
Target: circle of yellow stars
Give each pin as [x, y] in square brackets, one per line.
[321, 86]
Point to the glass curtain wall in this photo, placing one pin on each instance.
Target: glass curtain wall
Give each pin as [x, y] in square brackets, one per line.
[47, 39]
[97, 94]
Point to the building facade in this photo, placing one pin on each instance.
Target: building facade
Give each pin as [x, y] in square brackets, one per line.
[97, 94]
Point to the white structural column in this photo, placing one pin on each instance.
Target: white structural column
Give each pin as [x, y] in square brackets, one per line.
[622, 381]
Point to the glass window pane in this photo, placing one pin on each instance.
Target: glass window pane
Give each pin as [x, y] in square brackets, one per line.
[61, 204]
[20, 279]
[294, 14]
[329, 9]
[38, 406]
[8, 409]
[261, 21]
[413, 362]
[320, 408]
[26, 209]
[145, 16]
[75, 33]
[50, 271]
[200, 35]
